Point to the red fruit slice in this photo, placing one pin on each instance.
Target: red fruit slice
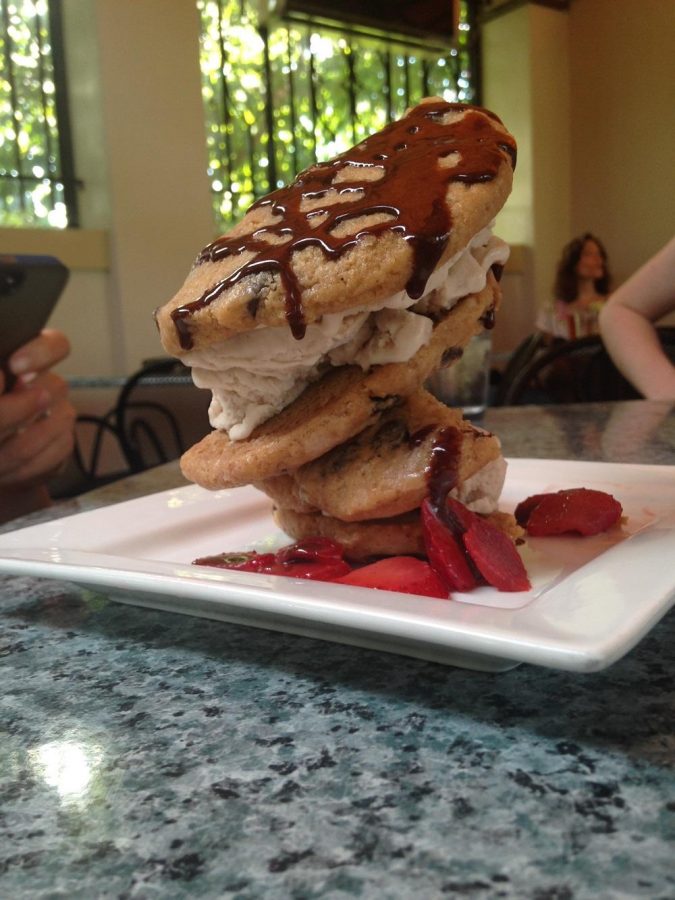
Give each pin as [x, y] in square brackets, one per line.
[314, 549]
[322, 570]
[495, 556]
[406, 574]
[524, 509]
[445, 552]
[245, 561]
[319, 559]
[580, 510]
[459, 517]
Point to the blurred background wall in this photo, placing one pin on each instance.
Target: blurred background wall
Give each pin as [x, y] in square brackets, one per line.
[588, 92]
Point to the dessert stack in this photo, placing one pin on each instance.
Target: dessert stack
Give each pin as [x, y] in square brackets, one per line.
[318, 319]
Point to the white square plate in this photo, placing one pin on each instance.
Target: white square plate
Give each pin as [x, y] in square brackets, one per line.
[591, 601]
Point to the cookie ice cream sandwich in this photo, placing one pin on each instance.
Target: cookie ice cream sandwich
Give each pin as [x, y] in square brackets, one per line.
[336, 297]
[382, 471]
[366, 492]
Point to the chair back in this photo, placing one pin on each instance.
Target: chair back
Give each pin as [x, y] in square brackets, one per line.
[521, 357]
[578, 371]
[97, 459]
[157, 415]
[159, 412]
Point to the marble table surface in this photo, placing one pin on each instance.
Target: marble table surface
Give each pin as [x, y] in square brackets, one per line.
[149, 755]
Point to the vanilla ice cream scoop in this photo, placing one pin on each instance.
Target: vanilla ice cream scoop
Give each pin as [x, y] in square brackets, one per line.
[255, 374]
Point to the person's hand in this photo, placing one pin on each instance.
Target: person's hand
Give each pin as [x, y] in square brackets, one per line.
[36, 417]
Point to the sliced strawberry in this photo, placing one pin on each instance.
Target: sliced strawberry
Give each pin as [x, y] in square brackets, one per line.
[524, 509]
[246, 561]
[459, 517]
[495, 556]
[319, 559]
[316, 548]
[580, 510]
[406, 574]
[322, 570]
[444, 551]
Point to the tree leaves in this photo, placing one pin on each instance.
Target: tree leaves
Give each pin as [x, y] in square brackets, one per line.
[278, 100]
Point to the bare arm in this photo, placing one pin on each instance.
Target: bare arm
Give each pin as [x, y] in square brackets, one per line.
[626, 325]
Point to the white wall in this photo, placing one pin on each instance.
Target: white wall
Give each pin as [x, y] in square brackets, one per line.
[622, 66]
[526, 80]
[507, 89]
[153, 133]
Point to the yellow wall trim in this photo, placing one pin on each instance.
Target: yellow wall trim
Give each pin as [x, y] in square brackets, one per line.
[77, 248]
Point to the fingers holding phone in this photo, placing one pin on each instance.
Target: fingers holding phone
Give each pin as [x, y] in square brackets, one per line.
[36, 431]
[36, 417]
[38, 355]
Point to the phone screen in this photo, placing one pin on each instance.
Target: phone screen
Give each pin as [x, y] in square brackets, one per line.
[30, 286]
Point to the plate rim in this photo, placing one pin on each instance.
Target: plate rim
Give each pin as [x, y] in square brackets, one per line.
[229, 596]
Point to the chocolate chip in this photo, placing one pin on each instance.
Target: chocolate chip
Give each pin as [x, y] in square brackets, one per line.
[451, 355]
[380, 404]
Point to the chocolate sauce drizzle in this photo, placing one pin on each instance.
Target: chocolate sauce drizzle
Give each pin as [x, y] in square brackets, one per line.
[488, 318]
[411, 192]
[441, 472]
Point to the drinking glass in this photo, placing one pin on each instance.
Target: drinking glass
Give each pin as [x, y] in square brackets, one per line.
[466, 382]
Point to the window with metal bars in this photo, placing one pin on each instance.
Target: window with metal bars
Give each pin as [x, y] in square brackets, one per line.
[38, 187]
[277, 98]
[282, 95]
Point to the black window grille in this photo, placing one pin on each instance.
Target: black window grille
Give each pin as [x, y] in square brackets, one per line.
[37, 179]
[280, 96]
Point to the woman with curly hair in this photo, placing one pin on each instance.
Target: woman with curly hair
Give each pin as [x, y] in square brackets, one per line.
[581, 287]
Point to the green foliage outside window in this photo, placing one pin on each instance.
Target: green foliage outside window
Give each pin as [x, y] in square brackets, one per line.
[31, 188]
[276, 100]
[279, 99]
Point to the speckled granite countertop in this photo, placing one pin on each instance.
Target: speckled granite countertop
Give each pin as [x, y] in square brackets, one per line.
[148, 755]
